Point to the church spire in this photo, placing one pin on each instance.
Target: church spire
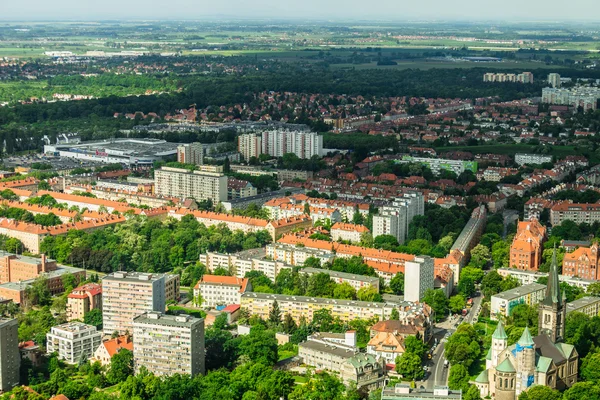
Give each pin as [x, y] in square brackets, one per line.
[553, 295]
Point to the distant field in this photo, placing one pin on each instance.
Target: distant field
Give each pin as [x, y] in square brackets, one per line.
[509, 149]
[427, 64]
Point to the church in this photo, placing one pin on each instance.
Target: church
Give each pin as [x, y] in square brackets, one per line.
[541, 360]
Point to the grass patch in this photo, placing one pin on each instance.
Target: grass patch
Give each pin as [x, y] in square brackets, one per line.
[194, 312]
[300, 379]
[476, 368]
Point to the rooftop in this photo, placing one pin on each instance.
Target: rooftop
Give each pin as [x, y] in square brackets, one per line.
[157, 318]
[520, 291]
[133, 276]
[342, 275]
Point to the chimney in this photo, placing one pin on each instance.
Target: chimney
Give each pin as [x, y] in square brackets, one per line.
[44, 263]
[350, 338]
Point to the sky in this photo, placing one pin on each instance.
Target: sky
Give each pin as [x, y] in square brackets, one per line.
[482, 10]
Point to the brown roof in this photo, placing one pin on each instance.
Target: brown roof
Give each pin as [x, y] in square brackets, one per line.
[114, 345]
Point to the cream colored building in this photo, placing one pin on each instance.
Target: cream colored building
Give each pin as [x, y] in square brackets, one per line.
[199, 185]
[82, 300]
[125, 295]
[168, 344]
[73, 341]
[221, 290]
[109, 348]
[348, 232]
[590, 306]
[250, 145]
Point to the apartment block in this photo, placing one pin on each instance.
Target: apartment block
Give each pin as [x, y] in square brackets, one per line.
[468, 238]
[527, 277]
[168, 344]
[578, 213]
[438, 164]
[73, 341]
[403, 391]
[418, 278]
[503, 303]
[303, 144]
[529, 158]
[199, 185]
[347, 232]
[585, 97]
[82, 300]
[239, 264]
[347, 310]
[125, 295]
[395, 219]
[250, 145]
[190, 153]
[589, 306]
[554, 80]
[10, 358]
[221, 290]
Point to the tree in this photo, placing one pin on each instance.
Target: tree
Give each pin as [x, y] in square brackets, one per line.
[121, 366]
[466, 286]
[368, 293]
[38, 292]
[344, 291]
[409, 366]
[475, 274]
[93, 317]
[312, 262]
[458, 377]
[320, 285]
[395, 314]
[307, 208]
[260, 345]
[438, 301]
[275, 314]
[463, 346]
[289, 325]
[457, 303]
[590, 367]
[386, 242]
[221, 349]
[491, 283]
[583, 390]
[472, 393]
[480, 256]
[524, 315]
[414, 345]
[539, 392]
[397, 284]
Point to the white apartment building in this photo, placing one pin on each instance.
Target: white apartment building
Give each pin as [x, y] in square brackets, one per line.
[528, 158]
[10, 357]
[191, 153]
[250, 145]
[276, 143]
[395, 219]
[199, 185]
[347, 232]
[221, 290]
[72, 341]
[125, 295]
[583, 96]
[168, 344]
[526, 277]
[418, 278]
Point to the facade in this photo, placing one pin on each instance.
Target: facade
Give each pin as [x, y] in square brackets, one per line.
[543, 360]
[419, 326]
[387, 346]
[503, 303]
[347, 232]
[250, 145]
[394, 220]
[221, 290]
[109, 348]
[578, 213]
[402, 391]
[418, 278]
[527, 246]
[73, 341]
[10, 357]
[528, 158]
[239, 189]
[168, 344]
[199, 185]
[126, 295]
[82, 300]
[280, 227]
[303, 144]
[190, 153]
[304, 307]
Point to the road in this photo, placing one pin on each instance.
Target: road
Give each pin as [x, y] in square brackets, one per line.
[437, 375]
[474, 311]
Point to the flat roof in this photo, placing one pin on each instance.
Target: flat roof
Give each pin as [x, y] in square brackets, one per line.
[520, 291]
[389, 393]
[156, 318]
[580, 303]
[328, 348]
[137, 147]
[133, 276]
[342, 275]
[74, 327]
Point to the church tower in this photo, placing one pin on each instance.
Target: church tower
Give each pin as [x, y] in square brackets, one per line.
[499, 343]
[553, 309]
[525, 361]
